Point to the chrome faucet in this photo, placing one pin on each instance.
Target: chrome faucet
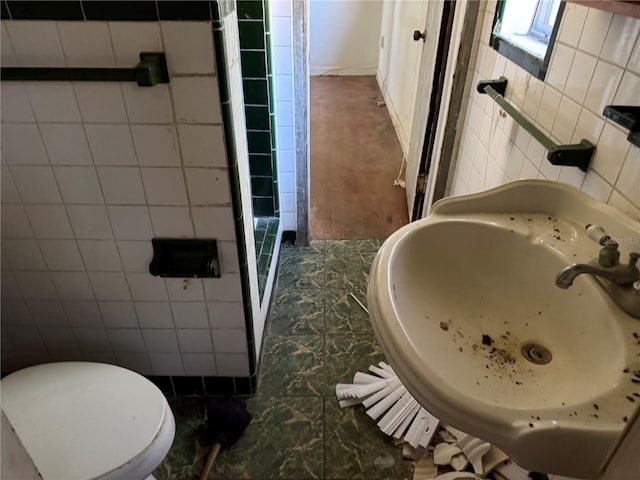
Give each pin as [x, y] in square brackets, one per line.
[621, 282]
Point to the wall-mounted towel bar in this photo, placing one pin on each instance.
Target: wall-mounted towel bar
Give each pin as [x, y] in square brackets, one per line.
[574, 155]
[151, 70]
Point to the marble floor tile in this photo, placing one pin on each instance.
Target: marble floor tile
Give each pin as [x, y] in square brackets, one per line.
[292, 365]
[301, 271]
[357, 448]
[347, 354]
[284, 441]
[340, 246]
[343, 315]
[348, 270]
[297, 312]
[187, 456]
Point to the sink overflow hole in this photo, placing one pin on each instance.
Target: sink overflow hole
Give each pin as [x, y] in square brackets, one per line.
[536, 353]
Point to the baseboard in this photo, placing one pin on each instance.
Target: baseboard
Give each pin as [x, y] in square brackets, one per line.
[395, 119]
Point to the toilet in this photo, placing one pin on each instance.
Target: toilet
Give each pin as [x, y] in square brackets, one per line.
[86, 421]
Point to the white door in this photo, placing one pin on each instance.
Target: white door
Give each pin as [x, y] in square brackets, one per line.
[424, 81]
[399, 62]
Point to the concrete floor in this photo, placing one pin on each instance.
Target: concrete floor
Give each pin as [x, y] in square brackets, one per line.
[355, 157]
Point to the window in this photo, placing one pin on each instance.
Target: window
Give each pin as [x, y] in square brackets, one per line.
[544, 19]
[524, 31]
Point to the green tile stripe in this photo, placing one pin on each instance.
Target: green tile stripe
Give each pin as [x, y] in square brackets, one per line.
[234, 186]
[253, 26]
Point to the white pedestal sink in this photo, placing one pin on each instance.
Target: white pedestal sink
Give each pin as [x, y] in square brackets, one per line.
[465, 307]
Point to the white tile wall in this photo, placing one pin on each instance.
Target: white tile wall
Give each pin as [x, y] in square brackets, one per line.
[171, 221]
[89, 221]
[61, 255]
[100, 255]
[196, 100]
[188, 47]
[111, 144]
[72, 285]
[100, 102]
[83, 313]
[148, 105]
[130, 223]
[66, 143]
[118, 314]
[167, 364]
[164, 186]
[202, 145]
[53, 101]
[190, 314]
[35, 44]
[208, 186]
[199, 364]
[181, 291]
[281, 32]
[595, 62]
[121, 185]
[91, 172]
[95, 48]
[49, 221]
[156, 145]
[15, 103]
[154, 314]
[232, 364]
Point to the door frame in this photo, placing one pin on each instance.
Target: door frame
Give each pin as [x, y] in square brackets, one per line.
[448, 94]
[441, 138]
[301, 120]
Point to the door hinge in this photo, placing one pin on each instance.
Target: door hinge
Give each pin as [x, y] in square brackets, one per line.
[421, 184]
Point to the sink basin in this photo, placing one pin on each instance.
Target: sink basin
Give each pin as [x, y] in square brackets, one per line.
[465, 307]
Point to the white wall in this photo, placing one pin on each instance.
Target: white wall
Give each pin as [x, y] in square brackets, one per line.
[281, 44]
[344, 36]
[595, 62]
[90, 173]
[399, 62]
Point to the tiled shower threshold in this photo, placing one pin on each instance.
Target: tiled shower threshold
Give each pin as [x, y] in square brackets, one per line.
[265, 230]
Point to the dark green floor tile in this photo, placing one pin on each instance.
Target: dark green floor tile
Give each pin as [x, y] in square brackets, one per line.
[347, 271]
[292, 365]
[315, 246]
[341, 246]
[297, 312]
[187, 457]
[344, 315]
[357, 449]
[284, 441]
[345, 355]
[301, 271]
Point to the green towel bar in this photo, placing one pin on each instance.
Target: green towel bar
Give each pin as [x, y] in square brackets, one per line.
[574, 155]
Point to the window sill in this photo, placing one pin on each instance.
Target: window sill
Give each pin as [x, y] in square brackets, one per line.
[527, 43]
[514, 51]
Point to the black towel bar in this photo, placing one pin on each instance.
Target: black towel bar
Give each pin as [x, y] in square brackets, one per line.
[574, 155]
[151, 70]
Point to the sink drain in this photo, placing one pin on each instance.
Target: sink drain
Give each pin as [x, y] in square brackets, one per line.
[536, 353]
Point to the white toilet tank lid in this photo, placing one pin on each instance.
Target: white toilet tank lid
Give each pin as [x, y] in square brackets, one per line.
[81, 420]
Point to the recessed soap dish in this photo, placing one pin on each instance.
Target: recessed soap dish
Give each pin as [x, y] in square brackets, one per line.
[184, 258]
